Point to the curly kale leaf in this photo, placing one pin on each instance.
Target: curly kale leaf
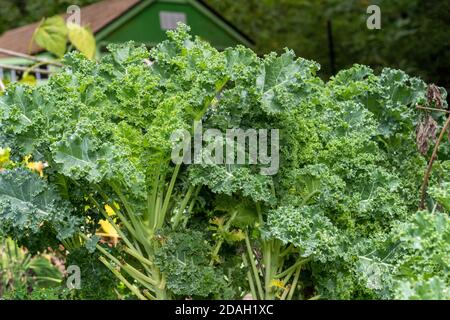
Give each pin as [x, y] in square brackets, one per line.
[77, 158]
[30, 208]
[306, 228]
[425, 244]
[280, 80]
[432, 289]
[184, 258]
[225, 179]
[413, 263]
[441, 193]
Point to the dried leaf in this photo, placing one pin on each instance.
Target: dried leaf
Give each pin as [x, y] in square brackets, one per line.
[434, 95]
[425, 131]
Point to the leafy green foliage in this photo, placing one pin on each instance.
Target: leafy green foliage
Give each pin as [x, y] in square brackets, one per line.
[30, 208]
[24, 276]
[329, 219]
[306, 229]
[424, 262]
[94, 275]
[185, 257]
[233, 179]
[78, 158]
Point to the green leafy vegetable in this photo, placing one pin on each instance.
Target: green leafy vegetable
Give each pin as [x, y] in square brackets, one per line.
[338, 220]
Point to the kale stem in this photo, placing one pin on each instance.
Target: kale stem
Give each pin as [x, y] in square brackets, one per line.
[268, 267]
[177, 217]
[135, 221]
[254, 269]
[294, 283]
[145, 280]
[168, 196]
[293, 267]
[151, 200]
[260, 218]
[191, 206]
[250, 278]
[122, 278]
[287, 250]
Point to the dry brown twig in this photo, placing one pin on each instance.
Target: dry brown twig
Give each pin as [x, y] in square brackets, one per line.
[427, 130]
[430, 165]
[432, 109]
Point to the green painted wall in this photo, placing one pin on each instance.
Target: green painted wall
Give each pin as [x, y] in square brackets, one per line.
[145, 26]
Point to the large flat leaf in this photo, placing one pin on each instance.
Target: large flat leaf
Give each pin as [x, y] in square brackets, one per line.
[79, 158]
[52, 35]
[82, 39]
[18, 108]
[27, 203]
[279, 79]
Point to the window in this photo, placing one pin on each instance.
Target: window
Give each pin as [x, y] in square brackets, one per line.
[169, 20]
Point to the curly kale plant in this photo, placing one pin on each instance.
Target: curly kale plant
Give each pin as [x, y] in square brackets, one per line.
[321, 226]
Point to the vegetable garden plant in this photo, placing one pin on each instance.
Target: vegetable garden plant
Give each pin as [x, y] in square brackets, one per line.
[339, 220]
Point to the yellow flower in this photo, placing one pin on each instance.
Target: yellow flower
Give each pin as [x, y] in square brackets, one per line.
[109, 210]
[277, 284]
[35, 166]
[108, 229]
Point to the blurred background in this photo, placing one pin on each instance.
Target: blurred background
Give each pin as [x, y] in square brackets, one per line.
[414, 34]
